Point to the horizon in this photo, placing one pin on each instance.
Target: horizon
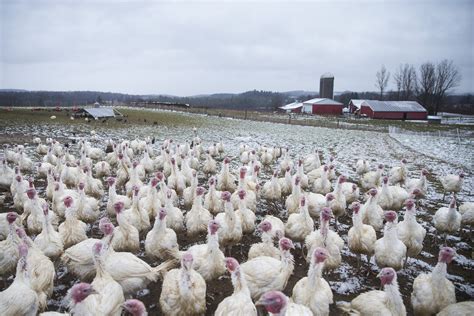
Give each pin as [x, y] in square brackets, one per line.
[454, 93]
[203, 47]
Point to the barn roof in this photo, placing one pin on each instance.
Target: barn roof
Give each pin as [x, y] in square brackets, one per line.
[322, 101]
[100, 112]
[357, 102]
[394, 106]
[292, 106]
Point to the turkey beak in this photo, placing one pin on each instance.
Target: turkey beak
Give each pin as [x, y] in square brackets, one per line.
[93, 291]
[260, 302]
[379, 275]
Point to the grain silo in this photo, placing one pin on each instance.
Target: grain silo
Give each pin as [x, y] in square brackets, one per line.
[326, 86]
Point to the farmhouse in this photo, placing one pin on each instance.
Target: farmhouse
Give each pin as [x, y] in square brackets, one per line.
[294, 107]
[393, 110]
[322, 106]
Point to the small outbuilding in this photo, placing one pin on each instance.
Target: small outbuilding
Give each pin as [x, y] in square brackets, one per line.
[294, 107]
[354, 105]
[393, 110]
[98, 113]
[322, 106]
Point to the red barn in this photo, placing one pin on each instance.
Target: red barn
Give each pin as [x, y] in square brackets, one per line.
[354, 105]
[393, 110]
[294, 107]
[322, 106]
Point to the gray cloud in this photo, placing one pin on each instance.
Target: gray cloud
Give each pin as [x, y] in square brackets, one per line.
[185, 48]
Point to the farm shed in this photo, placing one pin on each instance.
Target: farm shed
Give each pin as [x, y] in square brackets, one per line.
[294, 107]
[322, 106]
[98, 113]
[354, 105]
[393, 110]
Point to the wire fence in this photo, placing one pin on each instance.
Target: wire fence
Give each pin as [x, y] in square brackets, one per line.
[457, 133]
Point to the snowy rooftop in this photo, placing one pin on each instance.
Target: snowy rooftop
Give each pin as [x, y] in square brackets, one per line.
[394, 106]
[322, 101]
[100, 112]
[357, 102]
[292, 106]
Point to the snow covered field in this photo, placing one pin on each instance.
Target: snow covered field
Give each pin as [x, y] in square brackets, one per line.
[439, 155]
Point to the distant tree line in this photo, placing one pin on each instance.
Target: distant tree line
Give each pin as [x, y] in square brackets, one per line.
[60, 98]
[429, 85]
[257, 100]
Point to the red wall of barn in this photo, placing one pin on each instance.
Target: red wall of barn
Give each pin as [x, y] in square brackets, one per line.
[388, 115]
[417, 115]
[367, 111]
[327, 109]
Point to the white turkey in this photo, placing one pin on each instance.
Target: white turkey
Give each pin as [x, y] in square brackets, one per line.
[419, 183]
[300, 225]
[372, 213]
[208, 258]
[161, 242]
[433, 291]
[19, 298]
[410, 232]
[49, 240]
[265, 274]
[376, 302]
[198, 217]
[114, 197]
[72, 230]
[240, 302]
[247, 217]
[452, 183]
[372, 179]
[362, 167]
[361, 237]
[398, 175]
[9, 247]
[266, 247]
[225, 180]
[278, 304]
[314, 291]
[389, 250]
[312, 161]
[447, 220]
[126, 236]
[184, 290]
[325, 238]
[230, 223]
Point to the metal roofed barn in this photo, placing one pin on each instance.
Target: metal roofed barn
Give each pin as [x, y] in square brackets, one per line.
[323, 106]
[294, 107]
[394, 110]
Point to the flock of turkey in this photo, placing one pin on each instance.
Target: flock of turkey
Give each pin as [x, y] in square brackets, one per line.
[154, 195]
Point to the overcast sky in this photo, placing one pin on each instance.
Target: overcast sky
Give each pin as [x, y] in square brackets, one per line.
[195, 47]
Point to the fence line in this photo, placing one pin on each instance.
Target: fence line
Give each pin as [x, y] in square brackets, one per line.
[455, 133]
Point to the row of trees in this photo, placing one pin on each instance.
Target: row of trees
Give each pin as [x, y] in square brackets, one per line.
[429, 85]
[255, 99]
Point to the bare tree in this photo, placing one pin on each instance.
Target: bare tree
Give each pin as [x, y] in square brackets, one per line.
[447, 77]
[405, 78]
[398, 81]
[382, 80]
[426, 85]
[409, 81]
